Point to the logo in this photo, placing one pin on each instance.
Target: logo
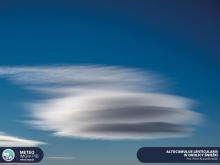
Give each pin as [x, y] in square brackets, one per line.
[8, 155]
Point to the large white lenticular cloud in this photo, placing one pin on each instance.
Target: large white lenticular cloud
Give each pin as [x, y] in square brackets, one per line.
[103, 102]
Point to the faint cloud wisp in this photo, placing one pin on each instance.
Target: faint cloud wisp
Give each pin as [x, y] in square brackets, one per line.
[12, 141]
[61, 157]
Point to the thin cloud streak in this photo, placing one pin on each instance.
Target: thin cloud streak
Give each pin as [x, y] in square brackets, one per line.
[13, 141]
[61, 157]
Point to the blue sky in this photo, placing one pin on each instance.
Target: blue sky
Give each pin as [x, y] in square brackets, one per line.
[178, 40]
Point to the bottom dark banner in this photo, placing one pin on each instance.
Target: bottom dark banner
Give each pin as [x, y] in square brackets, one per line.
[20, 155]
[179, 154]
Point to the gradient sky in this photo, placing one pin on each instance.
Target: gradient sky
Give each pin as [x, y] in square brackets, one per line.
[177, 39]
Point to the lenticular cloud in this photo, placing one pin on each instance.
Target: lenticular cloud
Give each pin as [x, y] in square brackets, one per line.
[103, 102]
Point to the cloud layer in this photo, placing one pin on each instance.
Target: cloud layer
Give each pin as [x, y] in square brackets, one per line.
[12, 141]
[103, 102]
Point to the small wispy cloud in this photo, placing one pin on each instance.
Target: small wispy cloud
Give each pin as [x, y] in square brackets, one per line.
[13, 141]
[61, 157]
[104, 102]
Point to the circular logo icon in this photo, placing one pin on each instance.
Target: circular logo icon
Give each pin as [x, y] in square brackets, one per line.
[8, 155]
